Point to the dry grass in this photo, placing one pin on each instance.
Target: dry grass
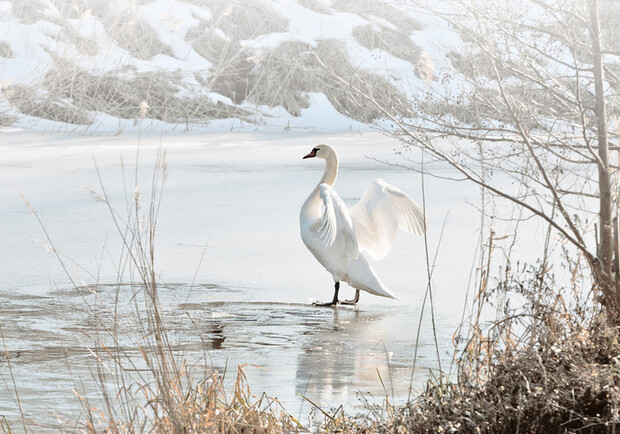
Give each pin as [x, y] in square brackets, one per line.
[379, 8]
[398, 44]
[5, 427]
[392, 41]
[5, 50]
[6, 116]
[282, 76]
[122, 23]
[213, 409]
[286, 73]
[6, 119]
[133, 34]
[610, 15]
[31, 102]
[231, 72]
[76, 8]
[566, 385]
[569, 386]
[245, 19]
[316, 6]
[85, 46]
[29, 11]
[332, 63]
[72, 93]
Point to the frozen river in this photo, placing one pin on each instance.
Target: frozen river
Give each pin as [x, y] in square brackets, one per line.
[228, 223]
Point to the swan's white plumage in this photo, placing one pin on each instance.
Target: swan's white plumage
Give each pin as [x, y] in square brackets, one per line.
[335, 221]
[382, 210]
[338, 237]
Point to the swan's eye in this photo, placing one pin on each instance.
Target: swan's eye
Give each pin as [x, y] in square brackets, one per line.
[315, 150]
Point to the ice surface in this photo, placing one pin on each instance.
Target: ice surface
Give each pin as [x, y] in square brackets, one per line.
[235, 197]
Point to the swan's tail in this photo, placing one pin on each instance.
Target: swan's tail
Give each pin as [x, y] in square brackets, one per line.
[361, 276]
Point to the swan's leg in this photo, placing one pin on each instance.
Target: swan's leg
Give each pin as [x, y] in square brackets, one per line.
[355, 299]
[335, 299]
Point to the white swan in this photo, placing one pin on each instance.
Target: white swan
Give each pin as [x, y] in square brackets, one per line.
[338, 237]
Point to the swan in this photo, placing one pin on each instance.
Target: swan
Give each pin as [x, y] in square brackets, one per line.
[339, 237]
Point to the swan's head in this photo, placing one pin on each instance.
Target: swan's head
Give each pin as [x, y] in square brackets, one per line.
[322, 151]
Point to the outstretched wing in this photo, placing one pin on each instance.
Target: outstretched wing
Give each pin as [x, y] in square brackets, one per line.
[335, 222]
[378, 215]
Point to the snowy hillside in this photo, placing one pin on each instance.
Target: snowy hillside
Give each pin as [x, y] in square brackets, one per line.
[96, 65]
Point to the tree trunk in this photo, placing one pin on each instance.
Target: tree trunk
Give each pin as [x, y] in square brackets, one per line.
[605, 254]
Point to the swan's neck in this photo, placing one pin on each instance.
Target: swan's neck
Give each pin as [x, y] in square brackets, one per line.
[331, 171]
[313, 203]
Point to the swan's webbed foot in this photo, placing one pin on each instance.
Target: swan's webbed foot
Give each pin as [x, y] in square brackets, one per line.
[328, 304]
[334, 301]
[354, 300]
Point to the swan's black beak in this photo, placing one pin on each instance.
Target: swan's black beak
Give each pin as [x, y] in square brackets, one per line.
[310, 155]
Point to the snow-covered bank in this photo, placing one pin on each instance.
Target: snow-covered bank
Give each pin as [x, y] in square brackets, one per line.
[177, 64]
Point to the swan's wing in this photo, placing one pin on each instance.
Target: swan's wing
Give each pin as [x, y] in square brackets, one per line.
[378, 215]
[335, 221]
